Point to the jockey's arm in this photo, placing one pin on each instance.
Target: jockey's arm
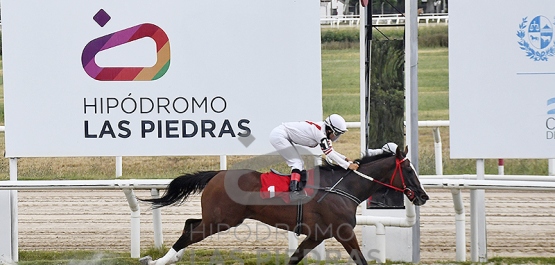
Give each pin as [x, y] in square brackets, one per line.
[374, 152]
[341, 160]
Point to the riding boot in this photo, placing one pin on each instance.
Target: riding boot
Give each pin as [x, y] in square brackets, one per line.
[294, 185]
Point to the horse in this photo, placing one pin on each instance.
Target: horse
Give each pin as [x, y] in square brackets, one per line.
[231, 196]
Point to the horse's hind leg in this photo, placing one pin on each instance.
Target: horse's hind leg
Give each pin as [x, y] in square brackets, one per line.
[195, 230]
[304, 248]
[172, 255]
[190, 224]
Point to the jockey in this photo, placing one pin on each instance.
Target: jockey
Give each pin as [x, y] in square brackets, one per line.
[309, 134]
[387, 148]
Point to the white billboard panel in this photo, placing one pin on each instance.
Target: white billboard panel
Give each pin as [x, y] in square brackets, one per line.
[501, 76]
[176, 77]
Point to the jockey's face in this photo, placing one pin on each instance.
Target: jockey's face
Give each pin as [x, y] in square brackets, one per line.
[332, 136]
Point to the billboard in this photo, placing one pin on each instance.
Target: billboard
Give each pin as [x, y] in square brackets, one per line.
[149, 78]
[501, 76]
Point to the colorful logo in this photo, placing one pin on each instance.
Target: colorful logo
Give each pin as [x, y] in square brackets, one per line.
[536, 38]
[121, 37]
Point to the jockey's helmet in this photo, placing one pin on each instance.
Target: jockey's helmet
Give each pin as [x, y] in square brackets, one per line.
[390, 148]
[336, 123]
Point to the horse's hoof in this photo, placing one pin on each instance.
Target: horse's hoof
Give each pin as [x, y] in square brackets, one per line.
[145, 260]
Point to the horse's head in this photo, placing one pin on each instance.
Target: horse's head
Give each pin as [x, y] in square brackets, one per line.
[395, 172]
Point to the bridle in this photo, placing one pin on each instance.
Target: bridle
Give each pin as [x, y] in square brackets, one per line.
[408, 192]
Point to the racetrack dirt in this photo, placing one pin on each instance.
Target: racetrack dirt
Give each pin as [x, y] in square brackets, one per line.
[519, 224]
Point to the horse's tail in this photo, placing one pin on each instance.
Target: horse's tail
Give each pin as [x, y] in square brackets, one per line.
[181, 187]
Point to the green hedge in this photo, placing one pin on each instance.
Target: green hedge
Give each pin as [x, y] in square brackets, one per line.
[428, 36]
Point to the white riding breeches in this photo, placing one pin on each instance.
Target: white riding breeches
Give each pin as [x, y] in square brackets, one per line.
[281, 142]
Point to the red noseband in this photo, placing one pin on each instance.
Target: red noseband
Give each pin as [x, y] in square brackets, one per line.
[408, 192]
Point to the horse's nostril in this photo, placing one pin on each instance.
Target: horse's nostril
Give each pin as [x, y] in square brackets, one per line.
[425, 197]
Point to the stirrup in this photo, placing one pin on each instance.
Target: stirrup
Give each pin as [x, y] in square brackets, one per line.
[297, 195]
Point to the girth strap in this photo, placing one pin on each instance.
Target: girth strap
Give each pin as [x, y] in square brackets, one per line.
[344, 194]
[299, 226]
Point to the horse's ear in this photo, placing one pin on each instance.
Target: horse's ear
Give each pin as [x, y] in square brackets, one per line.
[398, 153]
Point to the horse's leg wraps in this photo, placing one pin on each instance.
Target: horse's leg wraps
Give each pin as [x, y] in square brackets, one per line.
[299, 226]
[179, 254]
[168, 258]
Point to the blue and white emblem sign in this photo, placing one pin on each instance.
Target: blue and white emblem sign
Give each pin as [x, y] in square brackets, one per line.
[536, 38]
[501, 81]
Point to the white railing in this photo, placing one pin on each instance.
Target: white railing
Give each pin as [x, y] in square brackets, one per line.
[335, 21]
[389, 19]
[455, 183]
[117, 184]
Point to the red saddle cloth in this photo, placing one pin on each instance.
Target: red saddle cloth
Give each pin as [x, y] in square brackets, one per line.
[276, 185]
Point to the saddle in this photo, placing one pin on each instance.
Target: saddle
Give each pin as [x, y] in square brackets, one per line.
[276, 184]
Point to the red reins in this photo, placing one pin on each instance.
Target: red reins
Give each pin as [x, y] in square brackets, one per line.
[408, 192]
[397, 168]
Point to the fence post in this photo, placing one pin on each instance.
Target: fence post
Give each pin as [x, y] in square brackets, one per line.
[157, 221]
[119, 166]
[460, 239]
[478, 218]
[438, 151]
[14, 211]
[223, 162]
[135, 222]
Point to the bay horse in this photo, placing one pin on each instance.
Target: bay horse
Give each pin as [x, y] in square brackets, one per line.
[231, 196]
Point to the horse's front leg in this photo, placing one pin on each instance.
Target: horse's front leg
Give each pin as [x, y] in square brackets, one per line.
[347, 237]
[304, 248]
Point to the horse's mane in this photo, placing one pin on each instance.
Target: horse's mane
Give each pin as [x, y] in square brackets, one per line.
[362, 160]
